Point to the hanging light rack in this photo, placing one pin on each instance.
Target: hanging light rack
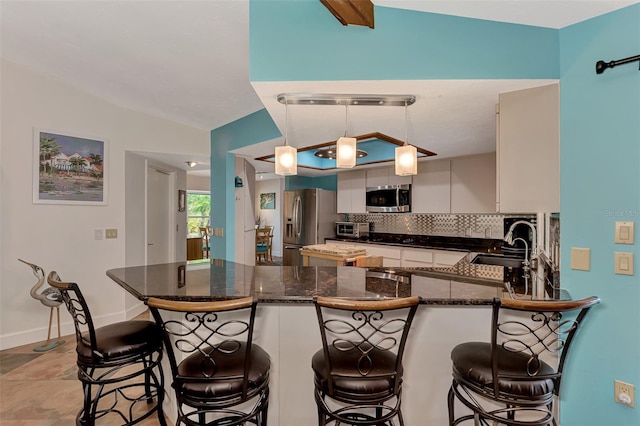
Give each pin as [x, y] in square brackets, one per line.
[345, 99]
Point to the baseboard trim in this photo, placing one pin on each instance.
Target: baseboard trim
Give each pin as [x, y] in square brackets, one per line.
[38, 335]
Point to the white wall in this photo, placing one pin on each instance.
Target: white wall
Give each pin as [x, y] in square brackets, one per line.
[271, 217]
[60, 237]
[198, 183]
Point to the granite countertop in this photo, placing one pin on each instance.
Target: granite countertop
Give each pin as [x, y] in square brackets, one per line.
[217, 279]
[439, 242]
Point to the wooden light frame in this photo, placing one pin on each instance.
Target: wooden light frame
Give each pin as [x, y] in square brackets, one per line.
[351, 12]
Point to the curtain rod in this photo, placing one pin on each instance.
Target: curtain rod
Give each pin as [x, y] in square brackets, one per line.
[602, 65]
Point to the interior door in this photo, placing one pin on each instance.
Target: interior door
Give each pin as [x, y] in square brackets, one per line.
[158, 216]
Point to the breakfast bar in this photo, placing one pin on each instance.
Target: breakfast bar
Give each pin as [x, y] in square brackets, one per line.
[455, 307]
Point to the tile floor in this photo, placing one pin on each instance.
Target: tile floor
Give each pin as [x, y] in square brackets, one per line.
[42, 388]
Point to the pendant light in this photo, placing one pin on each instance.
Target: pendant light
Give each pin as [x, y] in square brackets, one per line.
[406, 155]
[346, 147]
[286, 156]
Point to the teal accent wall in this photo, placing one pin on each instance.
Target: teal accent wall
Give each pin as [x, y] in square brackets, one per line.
[252, 129]
[599, 150]
[302, 182]
[301, 41]
[600, 184]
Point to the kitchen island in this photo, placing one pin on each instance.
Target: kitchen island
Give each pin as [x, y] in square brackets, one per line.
[456, 307]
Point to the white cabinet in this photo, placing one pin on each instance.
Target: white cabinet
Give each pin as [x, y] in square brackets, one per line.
[473, 183]
[447, 257]
[418, 257]
[415, 257]
[352, 192]
[390, 254]
[431, 189]
[409, 256]
[527, 150]
[381, 176]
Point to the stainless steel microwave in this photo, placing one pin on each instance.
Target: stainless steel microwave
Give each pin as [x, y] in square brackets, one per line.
[352, 229]
[389, 199]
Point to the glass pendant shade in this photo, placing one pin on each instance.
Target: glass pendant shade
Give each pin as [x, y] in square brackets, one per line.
[346, 153]
[406, 160]
[286, 160]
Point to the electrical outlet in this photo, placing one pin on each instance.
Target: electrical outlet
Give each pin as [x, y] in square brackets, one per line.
[111, 233]
[624, 393]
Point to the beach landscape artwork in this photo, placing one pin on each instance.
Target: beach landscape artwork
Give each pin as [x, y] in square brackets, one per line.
[69, 169]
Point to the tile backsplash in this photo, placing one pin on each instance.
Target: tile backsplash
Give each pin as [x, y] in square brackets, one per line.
[454, 225]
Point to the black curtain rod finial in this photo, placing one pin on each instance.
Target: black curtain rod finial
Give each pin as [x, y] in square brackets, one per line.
[602, 65]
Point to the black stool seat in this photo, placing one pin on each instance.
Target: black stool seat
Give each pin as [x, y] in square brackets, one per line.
[227, 378]
[472, 364]
[122, 340]
[378, 383]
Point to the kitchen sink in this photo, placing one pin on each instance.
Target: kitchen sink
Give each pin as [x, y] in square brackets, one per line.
[497, 259]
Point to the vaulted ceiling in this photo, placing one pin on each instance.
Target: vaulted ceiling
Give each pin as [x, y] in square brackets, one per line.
[148, 56]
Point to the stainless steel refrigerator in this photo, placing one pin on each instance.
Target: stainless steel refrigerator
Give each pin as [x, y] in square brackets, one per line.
[309, 217]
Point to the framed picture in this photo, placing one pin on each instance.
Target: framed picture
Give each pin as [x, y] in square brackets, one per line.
[268, 201]
[182, 200]
[69, 169]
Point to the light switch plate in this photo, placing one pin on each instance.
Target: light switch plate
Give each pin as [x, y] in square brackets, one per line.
[623, 263]
[580, 258]
[111, 233]
[624, 233]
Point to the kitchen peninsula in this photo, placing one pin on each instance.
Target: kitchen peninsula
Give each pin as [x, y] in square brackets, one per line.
[456, 307]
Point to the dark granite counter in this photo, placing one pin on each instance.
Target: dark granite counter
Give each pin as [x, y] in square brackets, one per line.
[436, 242]
[463, 284]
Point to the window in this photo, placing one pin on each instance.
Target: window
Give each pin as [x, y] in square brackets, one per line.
[198, 209]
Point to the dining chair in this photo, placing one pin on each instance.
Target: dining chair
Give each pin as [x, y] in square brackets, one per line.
[113, 362]
[263, 244]
[206, 246]
[220, 377]
[358, 373]
[506, 381]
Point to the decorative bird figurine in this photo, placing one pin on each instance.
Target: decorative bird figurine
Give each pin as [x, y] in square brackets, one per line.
[50, 297]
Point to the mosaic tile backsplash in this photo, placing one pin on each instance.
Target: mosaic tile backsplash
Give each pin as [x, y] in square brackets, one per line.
[453, 225]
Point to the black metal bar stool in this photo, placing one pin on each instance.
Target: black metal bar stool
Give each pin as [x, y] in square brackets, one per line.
[119, 364]
[358, 372]
[508, 372]
[219, 376]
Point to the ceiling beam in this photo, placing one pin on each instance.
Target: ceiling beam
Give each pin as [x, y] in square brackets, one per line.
[351, 12]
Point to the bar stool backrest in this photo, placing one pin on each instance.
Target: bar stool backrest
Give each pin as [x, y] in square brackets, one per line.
[77, 306]
[366, 328]
[207, 329]
[545, 327]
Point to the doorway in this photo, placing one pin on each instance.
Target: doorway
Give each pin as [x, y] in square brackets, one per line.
[160, 242]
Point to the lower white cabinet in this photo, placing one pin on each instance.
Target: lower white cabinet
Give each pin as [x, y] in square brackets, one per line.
[416, 257]
[409, 257]
[447, 257]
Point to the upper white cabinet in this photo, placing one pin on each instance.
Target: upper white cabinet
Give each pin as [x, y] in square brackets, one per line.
[473, 183]
[431, 189]
[352, 192]
[527, 150]
[381, 176]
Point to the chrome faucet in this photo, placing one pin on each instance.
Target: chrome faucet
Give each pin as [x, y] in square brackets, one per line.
[529, 266]
[508, 238]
